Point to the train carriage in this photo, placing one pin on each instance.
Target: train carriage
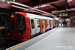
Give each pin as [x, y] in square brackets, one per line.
[24, 26]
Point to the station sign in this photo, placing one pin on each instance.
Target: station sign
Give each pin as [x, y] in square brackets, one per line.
[63, 14]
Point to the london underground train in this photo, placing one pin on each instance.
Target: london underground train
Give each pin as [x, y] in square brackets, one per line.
[24, 26]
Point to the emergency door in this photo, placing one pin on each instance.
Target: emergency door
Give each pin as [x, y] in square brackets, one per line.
[45, 25]
[43, 22]
[50, 24]
[41, 26]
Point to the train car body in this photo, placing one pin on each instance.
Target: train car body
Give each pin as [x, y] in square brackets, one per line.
[24, 26]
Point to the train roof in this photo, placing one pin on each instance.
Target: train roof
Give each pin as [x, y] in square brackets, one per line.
[37, 16]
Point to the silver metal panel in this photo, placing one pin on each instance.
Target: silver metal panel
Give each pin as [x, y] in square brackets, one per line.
[37, 29]
[32, 30]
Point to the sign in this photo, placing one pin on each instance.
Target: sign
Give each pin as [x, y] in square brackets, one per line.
[12, 15]
[63, 14]
[2, 27]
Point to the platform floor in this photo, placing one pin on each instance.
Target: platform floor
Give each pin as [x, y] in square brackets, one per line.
[61, 38]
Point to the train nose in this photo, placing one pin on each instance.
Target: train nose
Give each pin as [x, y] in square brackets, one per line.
[13, 38]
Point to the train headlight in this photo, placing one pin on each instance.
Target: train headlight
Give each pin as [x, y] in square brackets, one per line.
[8, 33]
[19, 34]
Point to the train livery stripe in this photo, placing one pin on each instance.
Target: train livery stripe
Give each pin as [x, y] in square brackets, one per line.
[35, 34]
[31, 40]
[38, 33]
[48, 29]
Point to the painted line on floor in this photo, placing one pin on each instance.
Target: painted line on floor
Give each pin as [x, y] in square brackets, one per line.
[31, 40]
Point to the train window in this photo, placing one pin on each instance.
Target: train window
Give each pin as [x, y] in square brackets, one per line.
[41, 23]
[49, 22]
[20, 24]
[13, 0]
[32, 23]
[2, 27]
[12, 26]
[38, 23]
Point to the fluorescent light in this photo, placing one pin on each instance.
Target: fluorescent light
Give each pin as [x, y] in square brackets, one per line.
[69, 0]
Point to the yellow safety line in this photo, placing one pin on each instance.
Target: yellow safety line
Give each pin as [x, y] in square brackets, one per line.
[31, 40]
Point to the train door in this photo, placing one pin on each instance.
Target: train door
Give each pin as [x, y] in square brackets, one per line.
[50, 23]
[48, 26]
[32, 22]
[43, 22]
[13, 29]
[45, 25]
[41, 26]
[53, 23]
[37, 26]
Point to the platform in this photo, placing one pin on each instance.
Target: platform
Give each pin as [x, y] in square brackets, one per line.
[61, 38]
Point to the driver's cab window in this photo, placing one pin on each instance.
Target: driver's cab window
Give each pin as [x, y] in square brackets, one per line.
[20, 24]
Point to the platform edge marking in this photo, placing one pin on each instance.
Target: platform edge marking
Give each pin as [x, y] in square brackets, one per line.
[31, 40]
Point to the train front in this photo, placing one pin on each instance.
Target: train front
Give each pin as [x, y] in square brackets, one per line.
[17, 27]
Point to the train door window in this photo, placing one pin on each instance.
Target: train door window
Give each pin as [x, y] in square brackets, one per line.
[47, 22]
[52, 22]
[38, 23]
[20, 24]
[32, 23]
[12, 26]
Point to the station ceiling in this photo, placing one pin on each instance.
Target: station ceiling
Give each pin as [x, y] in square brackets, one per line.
[53, 4]
[48, 5]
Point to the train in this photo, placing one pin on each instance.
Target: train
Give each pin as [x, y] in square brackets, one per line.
[23, 26]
